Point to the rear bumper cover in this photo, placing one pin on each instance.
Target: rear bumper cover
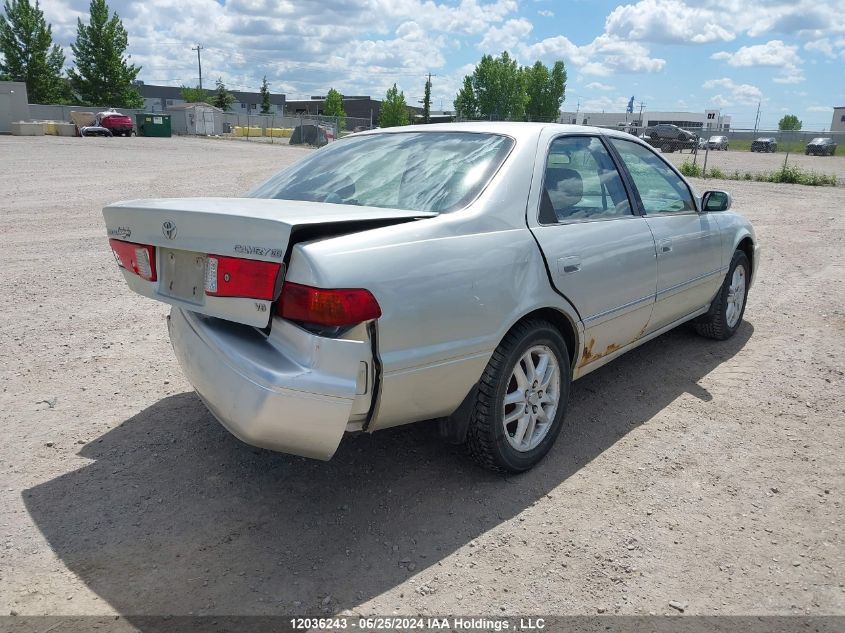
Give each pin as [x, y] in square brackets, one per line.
[291, 392]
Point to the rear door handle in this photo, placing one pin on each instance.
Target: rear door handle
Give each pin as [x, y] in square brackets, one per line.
[665, 246]
[571, 264]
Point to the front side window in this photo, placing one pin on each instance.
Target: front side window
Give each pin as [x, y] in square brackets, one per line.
[661, 189]
[581, 182]
[417, 171]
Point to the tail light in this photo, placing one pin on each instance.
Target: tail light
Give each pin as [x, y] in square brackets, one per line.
[137, 258]
[336, 307]
[237, 277]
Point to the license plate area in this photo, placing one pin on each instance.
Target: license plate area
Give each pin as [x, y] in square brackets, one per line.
[183, 275]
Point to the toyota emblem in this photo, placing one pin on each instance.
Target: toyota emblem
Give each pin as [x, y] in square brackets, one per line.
[169, 229]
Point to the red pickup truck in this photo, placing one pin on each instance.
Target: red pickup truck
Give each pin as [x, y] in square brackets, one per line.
[118, 124]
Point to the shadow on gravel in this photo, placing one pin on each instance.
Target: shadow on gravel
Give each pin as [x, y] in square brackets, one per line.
[174, 515]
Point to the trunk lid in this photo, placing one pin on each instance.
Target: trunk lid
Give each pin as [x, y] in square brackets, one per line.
[185, 231]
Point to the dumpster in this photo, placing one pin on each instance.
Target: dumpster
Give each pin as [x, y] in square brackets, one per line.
[152, 124]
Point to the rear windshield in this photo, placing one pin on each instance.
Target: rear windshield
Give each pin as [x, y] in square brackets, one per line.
[417, 171]
[819, 141]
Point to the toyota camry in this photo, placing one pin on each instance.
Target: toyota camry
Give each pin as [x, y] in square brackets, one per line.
[464, 273]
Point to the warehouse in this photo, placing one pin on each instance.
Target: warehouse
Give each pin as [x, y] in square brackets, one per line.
[711, 120]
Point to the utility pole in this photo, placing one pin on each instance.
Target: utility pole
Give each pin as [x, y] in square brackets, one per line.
[577, 110]
[642, 123]
[757, 118]
[199, 61]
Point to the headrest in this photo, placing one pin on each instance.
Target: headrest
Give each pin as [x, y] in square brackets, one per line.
[565, 187]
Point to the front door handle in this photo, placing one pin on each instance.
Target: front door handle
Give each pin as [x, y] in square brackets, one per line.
[665, 246]
[567, 265]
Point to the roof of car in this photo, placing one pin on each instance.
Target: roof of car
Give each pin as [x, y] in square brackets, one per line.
[517, 129]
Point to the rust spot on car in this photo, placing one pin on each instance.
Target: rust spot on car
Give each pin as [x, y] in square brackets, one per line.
[640, 333]
[588, 356]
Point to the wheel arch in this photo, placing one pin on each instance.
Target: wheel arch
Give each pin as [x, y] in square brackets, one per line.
[563, 324]
[746, 245]
[454, 428]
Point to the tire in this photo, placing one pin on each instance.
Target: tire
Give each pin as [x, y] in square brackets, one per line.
[492, 443]
[723, 319]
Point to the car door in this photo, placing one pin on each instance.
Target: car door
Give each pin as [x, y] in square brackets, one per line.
[689, 247]
[600, 254]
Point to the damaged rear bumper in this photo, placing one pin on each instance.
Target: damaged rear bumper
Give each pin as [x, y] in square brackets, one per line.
[292, 392]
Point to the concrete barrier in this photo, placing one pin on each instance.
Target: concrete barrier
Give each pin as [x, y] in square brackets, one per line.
[65, 129]
[23, 128]
[248, 131]
[279, 132]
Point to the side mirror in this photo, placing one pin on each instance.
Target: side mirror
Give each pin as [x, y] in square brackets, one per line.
[716, 201]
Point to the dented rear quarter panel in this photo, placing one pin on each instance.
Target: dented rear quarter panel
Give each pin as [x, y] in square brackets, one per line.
[449, 287]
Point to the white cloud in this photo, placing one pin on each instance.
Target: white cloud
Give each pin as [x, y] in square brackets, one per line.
[546, 13]
[732, 93]
[703, 21]
[773, 54]
[597, 85]
[826, 109]
[667, 22]
[828, 47]
[605, 55]
[605, 104]
[506, 37]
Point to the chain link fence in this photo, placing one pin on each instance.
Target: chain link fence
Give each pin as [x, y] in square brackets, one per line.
[273, 128]
[742, 154]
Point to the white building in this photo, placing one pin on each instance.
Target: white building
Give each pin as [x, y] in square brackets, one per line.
[838, 122]
[710, 120]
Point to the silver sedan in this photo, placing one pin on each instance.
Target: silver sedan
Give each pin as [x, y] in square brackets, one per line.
[466, 273]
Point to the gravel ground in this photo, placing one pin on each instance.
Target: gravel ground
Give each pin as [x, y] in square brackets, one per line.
[705, 473]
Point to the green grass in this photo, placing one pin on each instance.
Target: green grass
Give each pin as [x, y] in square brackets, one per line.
[792, 174]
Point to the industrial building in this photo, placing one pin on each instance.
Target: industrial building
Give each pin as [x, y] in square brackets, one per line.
[838, 122]
[356, 106]
[709, 120]
[14, 105]
[162, 98]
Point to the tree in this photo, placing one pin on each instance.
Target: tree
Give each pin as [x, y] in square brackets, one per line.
[545, 90]
[102, 73]
[427, 101]
[194, 95]
[498, 89]
[394, 110]
[265, 96]
[789, 122]
[466, 105]
[29, 55]
[334, 107]
[222, 98]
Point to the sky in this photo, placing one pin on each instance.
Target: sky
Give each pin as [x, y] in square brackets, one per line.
[687, 55]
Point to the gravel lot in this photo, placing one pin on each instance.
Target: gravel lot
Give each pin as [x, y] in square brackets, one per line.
[706, 473]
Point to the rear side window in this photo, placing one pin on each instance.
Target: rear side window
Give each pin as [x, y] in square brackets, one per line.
[661, 189]
[418, 171]
[581, 182]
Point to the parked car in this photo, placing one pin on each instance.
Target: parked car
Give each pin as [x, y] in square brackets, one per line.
[118, 124]
[670, 137]
[94, 130]
[821, 147]
[463, 272]
[718, 143]
[764, 144]
[702, 143]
